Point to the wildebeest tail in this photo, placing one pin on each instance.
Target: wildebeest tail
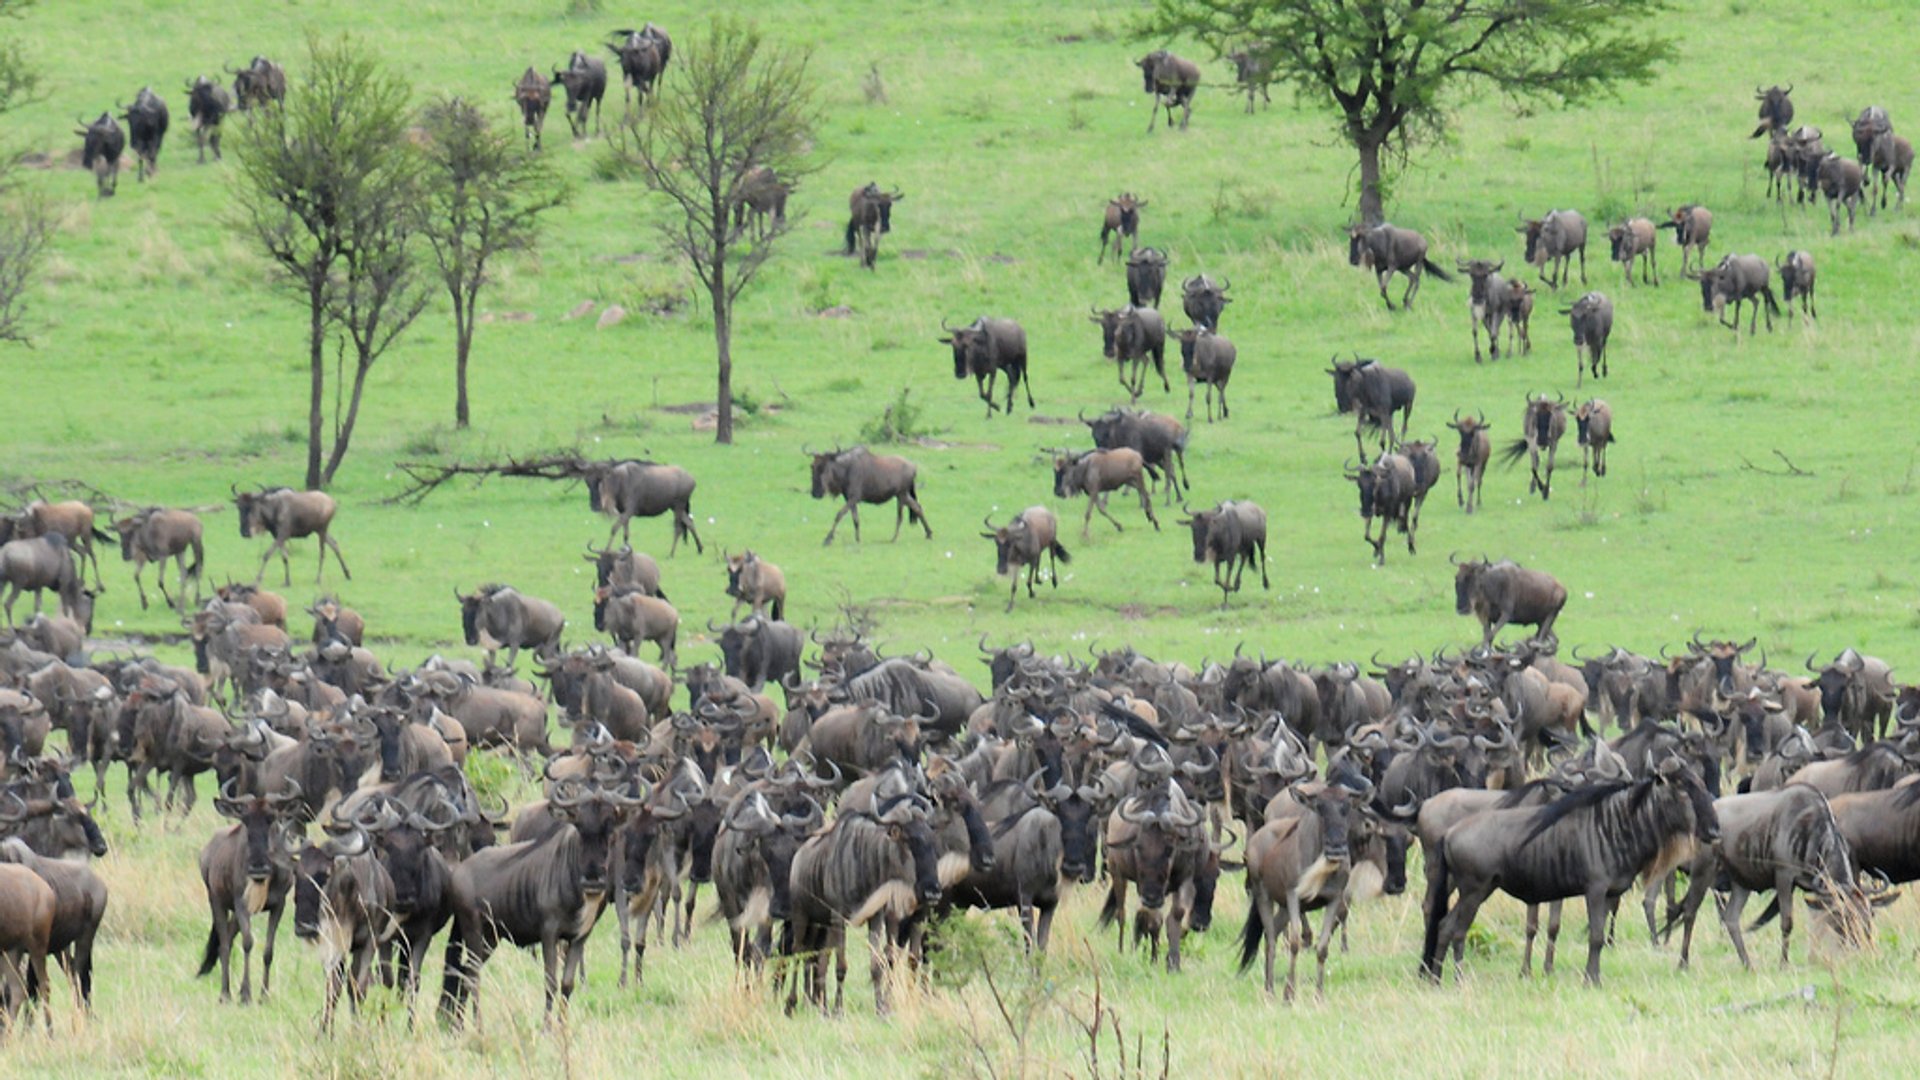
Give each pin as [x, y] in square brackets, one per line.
[211, 956]
[1436, 269]
[199, 559]
[1766, 915]
[1252, 933]
[1060, 552]
[779, 608]
[850, 228]
[1436, 911]
[98, 535]
[1761, 130]
[1513, 451]
[1765, 294]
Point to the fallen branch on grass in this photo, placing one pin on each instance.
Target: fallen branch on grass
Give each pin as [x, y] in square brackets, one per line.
[427, 478]
[1790, 470]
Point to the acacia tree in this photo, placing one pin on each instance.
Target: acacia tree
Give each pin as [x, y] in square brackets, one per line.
[484, 195]
[734, 105]
[26, 225]
[1389, 68]
[329, 189]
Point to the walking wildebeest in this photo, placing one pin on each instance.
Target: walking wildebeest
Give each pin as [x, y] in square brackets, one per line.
[146, 130]
[757, 583]
[1252, 72]
[625, 490]
[1776, 110]
[1097, 472]
[641, 63]
[208, 103]
[1304, 863]
[1519, 316]
[261, 82]
[1892, 157]
[1552, 242]
[534, 95]
[1504, 592]
[1872, 123]
[869, 214]
[1489, 300]
[1386, 495]
[1172, 81]
[1741, 279]
[72, 519]
[100, 152]
[1842, 182]
[28, 908]
[860, 476]
[1595, 421]
[986, 348]
[1232, 536]
[1204, 301]
[508, 619]
[1692, 225]
[760, 196]
[1805, 150]
[1160, 440]
[1632, 240]
[37, 564]
[1146, 277]
[1122, 221]
[80, 901]
[625, 568]
[1471, 461]
[1796, 280]
[1207, 358]
[155, 535]
[1021, 543]
[285, 514]
[1134, 335]
[1541, 424]
[343, 900]
[1592, 319]
[761, 650]
[1387, 250]
[1375, 393]
[585, 81]
[247, 871]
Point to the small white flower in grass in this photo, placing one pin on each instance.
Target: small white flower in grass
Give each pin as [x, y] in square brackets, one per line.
[1589, 594]
[709, 521]
[485, 524]
[117, 622]
[949, 554]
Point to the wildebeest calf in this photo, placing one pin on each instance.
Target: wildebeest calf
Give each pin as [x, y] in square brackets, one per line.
[1021, 542]
[1471, 460]
[1595, 421]
[1122, 222]
[1632, 240]
[1232, 536]
[1796, 280]
[1207, 358]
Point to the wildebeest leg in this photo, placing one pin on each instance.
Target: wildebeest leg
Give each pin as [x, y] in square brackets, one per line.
[1596, 932]
[1783, 897]
[244, 918]
[266, 952]
[278, 545]
[161, 576]
[1385, 276]
[327, 541]
[576, 955]
[1413, 285]
[222, 934]
[1546, 485]
[1730, 917]
[844, 511]
[1190, 401]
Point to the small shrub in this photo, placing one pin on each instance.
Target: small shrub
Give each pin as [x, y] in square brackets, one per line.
[580, 9]
[845, 384]
[1076, 119]
[425, 442]
[744, 401]
[901, 422]
[873, 86]
[1517, 143]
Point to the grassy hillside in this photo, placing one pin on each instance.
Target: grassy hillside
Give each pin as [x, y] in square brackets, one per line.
[166, 367]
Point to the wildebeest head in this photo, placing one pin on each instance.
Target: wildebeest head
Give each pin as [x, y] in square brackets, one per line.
[969, 345]
[1469, 428]
[826, 472]
[1149, 66]
[1201, 523]
[406, 840]
[260, 819]
[471, 604]
[1007, 539]
[1466, 581]
[256, 510]
[1076, 809]
[907, 818]
[595, 815]
[1069, 473]
[1776, 110]
[314, 870]
[1157, 834]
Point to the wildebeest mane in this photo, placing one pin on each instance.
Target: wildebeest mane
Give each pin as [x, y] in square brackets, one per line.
[1585, 798]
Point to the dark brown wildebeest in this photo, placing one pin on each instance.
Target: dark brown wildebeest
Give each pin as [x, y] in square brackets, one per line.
[1172, 82]
[984, 349]
[1146, 277]
[1207, 358]
[1376, 392]
[1157, 841]
[757, 583]
[858, 476]
[285, 515]
[1872, 123]
[1882, 829]
[641, 63]
[1892, 157]
[1782, 164]
[1134, 335]
[534, 95]
[1519, 316]
[100, 149]
[1843, 182]
[334, 621]
[1856, 693]
[507, 619]
[630, 616]
[1489, 300]
[1632, 240]
[626, 490]
[1160, 440]
[759, 650]
[1094, 473]
[1426, 472]
[1471, 460]
[1552, 242]
[343, 900]
[1043, 838]
[761, 197]
[1796, 280]
[585, 81]
[753, 866]
[1592, 320]
[155, 535]
[1741, 279]
[1303, 863]
[1692, 226]
[41, 563]
[1387, 250]
[1034, 532]
[72, 519]
[1541, 425]
[625, 568]
[261, 82]
[1805, 150]
[1595, 421]
[1776, 109]
[80, 901]
[869, 215]
[1386, 494]
[1252, 72]
[1122, 221]
[247, 870]
[1502, 593]
[146, 121]
[208, 103]
[1232, 536]
[1204, 300]
[28, 908]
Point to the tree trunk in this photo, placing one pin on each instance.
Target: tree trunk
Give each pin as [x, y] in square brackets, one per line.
[462, 346]
[317, 365]
[353, 413]
[1371, 211]
[723, 348]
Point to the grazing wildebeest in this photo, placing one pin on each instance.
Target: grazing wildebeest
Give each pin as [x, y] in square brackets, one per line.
[1204, 301]
[1232, 536]
[629, 489]
[1519, 316]
[1892, 157]
[1692, 226]
[1207, 358]
[1034, 532]
[246, 870]
[1541, 425]
[28, 908]
[641, 63]
[630, 617]
[760, 196]
[1842, 181]
[757, 583]
[1741, 279]
[103, 140]
[1375, 392]
[984, 349]
[1172, 81]
[1872, 123]
[508, 619]
[534, 95]
[1593, 843]
[1097, 472]
[1592, 320]
[1796, 280]
[1489, 300]
[1632, 240]
[343, 900]
[261, 82]
[80, 901]
[1595, 421]
[1160, 440]
[155, 535]
[1386, 495]
[208, 103]
[40, 563]
[1134, 335]
[1252, 72]
[869, 215]
[1504, 592]
[72, 519]
[285, 514]
[585, 81]
[1552, 242]
[146, 130]
[860, 476]
[1122, 221]
[1387, 250]
[1303, 863]
[625, 568]
[1146, 277]
[1776, 109]
[1471, 461]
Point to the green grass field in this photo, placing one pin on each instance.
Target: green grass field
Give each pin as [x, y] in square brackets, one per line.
[165, 368]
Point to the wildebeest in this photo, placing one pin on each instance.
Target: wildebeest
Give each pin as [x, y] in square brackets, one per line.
[1375, 392]
[984, 349]
[1156, 841]
[1843, 182]
[1502, 593]
[626, 568]
[1592, 319]
[1804, 150]
[1541, 425]
[1042, 839]
[759, 650]
[534, 95]
[1856, 693]
[1519, 316]
[79, 903]
[506, 618]
[1160, 440]
[28, 908]
[1595, 421]
[1094, 473]
[869, 215]
[343, 900]
[757, 583]
[1388, 249]
[1146, 277]
[1741, 279]
[155, 535]
[247, 870]
[146, 130]
[1552, 242]
[1489, 300]
[1692, 226]
[1776, 109]
[760, 197]
[1631, 240]
[36, 564]
[1252, 72]
[1207, 358]
[753, 866]
[1300, 864]
[1471, 460]
[1232, 536]
[285, 514]
[1872, 123]
[625, 490]
[860, 476]
[1881, 829]
[1122, 221]
[1205, 300]
[641, 62]
[208, 103]
[1172, 82]
[1134, 335]
[334, 621]
[1796, 280]
[103, 141]
[72, 519]
[585, 81]
[1386, 496]
[1892, 157]
[1593, 843]
[1034, 532]
[261, 82]
[630, 617]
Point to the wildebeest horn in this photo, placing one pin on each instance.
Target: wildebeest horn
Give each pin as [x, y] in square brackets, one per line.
[1810, 666]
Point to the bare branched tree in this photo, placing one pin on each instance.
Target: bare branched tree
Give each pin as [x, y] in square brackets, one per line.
[737, 114]
[26, 225]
